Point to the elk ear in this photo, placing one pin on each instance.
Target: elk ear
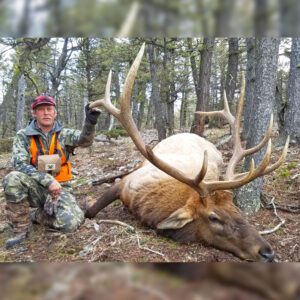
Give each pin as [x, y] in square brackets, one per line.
[177, 219]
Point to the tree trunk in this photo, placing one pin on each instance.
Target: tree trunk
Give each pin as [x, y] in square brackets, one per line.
[150, 114]
[279, 105]
[183, 110]
[202, 86]
[232, 70]
[250, 85]
[158, 107]
[170, 108]
[141, 113]
[184, 99]
[248, 197]
[289, 17]
[88, 67]
[81, 116]
[223, 17]
[20, 103]
[261, 18]
[58, 68]
[23, 27]
[135, 104]
[292, 117]
[24, 49]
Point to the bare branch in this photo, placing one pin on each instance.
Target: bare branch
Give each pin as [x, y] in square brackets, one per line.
[282, 221]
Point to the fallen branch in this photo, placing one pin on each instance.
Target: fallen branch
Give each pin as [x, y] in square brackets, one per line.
[111, 179]
[282, 221]
[224, 140]
[292, 208]
[150, 250]
[131, 228]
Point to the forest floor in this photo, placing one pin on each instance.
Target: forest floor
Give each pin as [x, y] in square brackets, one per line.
[111, 242]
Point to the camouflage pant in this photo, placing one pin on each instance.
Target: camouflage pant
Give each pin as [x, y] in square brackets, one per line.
[20, 188]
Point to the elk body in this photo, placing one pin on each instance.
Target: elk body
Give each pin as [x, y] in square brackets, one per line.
[177, 190]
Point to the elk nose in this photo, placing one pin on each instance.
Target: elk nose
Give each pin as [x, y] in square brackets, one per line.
[266, 254]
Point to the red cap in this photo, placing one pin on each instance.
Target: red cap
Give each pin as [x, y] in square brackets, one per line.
[43, 99]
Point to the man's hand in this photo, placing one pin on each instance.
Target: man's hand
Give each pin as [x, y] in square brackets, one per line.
[91, 114]
[54, 189]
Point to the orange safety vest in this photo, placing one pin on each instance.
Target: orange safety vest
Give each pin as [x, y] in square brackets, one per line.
[35, 150]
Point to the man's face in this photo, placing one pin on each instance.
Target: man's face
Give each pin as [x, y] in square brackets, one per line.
[45, 115]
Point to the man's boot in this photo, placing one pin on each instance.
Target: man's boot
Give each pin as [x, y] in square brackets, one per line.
[18, 216]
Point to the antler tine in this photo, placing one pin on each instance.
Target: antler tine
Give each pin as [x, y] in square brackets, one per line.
[126, 27]
[234, 123]
[237, 145]
[239, 111]
[248, 176]
[264, 140]
[129, 82]
[225, 113]
[203, 170]
[239, 153]
[274, 166]
[106, 102]
[125, 118]
[281, 158]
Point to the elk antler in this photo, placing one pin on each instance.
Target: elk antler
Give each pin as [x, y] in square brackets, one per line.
[125, 118]
[236, 180]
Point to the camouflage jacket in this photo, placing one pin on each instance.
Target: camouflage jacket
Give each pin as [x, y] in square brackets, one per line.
[67, 138]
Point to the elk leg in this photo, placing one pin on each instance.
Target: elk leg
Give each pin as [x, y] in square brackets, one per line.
[108, 197]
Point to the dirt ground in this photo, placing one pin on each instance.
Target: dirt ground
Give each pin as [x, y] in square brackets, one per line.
[98, 241]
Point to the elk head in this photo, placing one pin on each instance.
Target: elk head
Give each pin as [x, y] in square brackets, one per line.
[204, 210]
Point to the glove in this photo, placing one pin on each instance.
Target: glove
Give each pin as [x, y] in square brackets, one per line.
[91, 115]
[50, 206]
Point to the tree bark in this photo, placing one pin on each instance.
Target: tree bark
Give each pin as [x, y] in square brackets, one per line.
[184, 99]
[158, 107]
[141, 112]
[248, 197]
[150, 114]
[23, 27]
[25, 46]
[170, 108]
[280, 105]
[20, 103]
[289, 17]
[183, 110]
[202, 83]
[58, 68]
[135, 104]
[232, 70]
[250, 85]
[261, 18]
[223, 17]
[292, 117]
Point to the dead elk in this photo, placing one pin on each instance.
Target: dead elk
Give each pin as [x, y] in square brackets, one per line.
[177, 189]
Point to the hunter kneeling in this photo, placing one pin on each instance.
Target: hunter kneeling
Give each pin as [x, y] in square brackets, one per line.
[42, 175]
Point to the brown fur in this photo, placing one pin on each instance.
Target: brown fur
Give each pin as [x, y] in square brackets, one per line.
[176, 210]
[155, 202]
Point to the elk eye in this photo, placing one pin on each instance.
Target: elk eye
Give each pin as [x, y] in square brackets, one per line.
[214, 218]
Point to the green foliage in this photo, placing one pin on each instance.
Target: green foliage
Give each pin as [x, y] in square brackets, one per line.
[285, 171]
[115, 132]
